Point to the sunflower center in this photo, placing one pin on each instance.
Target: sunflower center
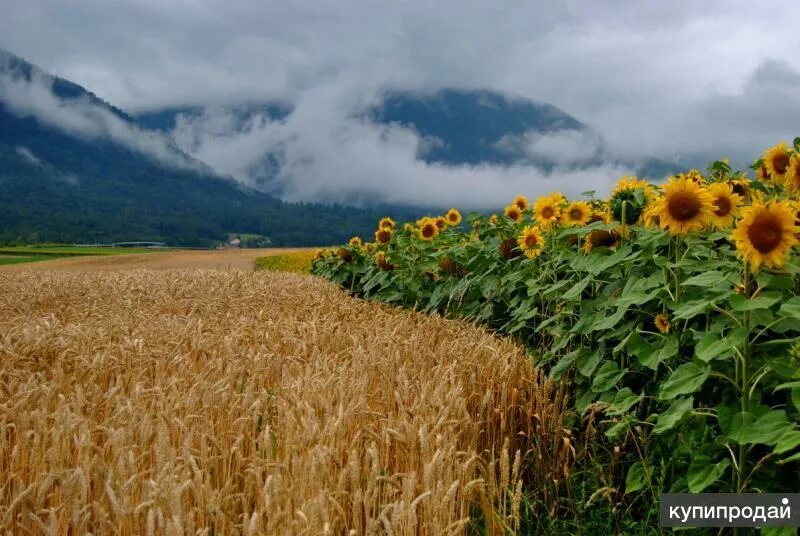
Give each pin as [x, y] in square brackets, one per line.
[575, 214]
[453, 217]
[780, 162]
[530, 241]
[683, 206]
[384, 236]
[602, 238]
[765, 233]
[547, 212]
[722, 206]
[427, 231]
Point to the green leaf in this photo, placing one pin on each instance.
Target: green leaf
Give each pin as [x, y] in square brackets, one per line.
[676, 411]
[588, 361]
[691, 309]
[740, 303]
[767, 429]
[623, 400]
[707, 279]
[608, 322]
[577, 289]
[703, 473]
[778, 531]
[635, 479]
[792, 458]
[788, 441]
[685, 380]
[563, 365]
[790, 308]
[622, 426]
[607, 377]
[653, 356]
[711, 346]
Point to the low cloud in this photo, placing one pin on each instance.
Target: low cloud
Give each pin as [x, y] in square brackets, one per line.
[34, 97]
[327, 150]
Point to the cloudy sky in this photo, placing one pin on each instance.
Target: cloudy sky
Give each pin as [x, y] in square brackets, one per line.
[682, 81]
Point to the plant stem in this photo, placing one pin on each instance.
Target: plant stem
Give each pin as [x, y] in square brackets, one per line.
[745, 378]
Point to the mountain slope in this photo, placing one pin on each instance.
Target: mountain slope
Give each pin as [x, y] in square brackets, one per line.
[75, 169]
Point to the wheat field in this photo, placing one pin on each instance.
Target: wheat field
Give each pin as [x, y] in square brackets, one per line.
[216, 402]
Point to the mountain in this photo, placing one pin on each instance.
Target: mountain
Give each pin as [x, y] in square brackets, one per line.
[74, 168]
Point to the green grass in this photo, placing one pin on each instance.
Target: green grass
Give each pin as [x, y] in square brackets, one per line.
[66, 251]
[19, 259]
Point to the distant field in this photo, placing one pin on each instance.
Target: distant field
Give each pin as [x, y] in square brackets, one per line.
[296, 261]
[152, 259]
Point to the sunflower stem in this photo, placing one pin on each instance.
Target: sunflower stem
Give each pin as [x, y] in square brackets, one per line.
[745, 376]
[677, 271]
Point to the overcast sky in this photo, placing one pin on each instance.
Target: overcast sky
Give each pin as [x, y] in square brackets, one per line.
[679, 80]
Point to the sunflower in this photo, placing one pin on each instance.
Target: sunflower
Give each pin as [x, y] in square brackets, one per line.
[576, 214]
[453, 217]
[547, 209]
[356, 242]
[695, 176]
[428, 229]
[630, 195]
[662, 323]
[776, 160]
[407, 227]
[513, 212]
[762, 174]
[383, 264]
[441, 223]
[522, 202]
[650, 217]
[685, 206]
[558, 198]
[387, 223]
[369, 246]
[531, 241]
[383, 235]
[740, 186]
[725, 204]
[627, 183]
[766, 233]
[599, 237]
[792, 178]
[345, 254]
[493, 219]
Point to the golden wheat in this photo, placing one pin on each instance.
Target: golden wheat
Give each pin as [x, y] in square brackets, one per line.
[188, 401]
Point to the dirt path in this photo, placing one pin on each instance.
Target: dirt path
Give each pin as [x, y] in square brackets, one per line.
[226, 259]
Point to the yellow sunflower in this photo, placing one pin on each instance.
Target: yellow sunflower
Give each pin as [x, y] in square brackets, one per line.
[627, 183]
[493, 219]
[441, 222]
[531, 241]
[356, 241]
[762, 174]
[598, 237]
[513, 212]
[407, 227]
[792, 177]
[726, 205]
[369, 246]
[547, 210]
[650, 217]
[522, 202]
[576, 214]
[453, 217]
[695, 176]
[766, 233]
[387, 223]
[662, 323]
[428, 229]
[740, 186]
[776, 160]
[383, 236]
[685, 206]
[383, 264]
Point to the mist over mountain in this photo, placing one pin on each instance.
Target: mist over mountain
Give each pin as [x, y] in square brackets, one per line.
[400, 147]
[76, 169]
